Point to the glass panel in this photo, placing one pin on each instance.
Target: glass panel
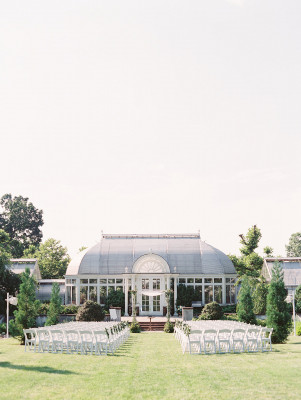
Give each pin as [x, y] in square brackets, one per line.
[190, 280]
[93, 281]
[218, 294]
[198, 280]
[119, 280]
[208, 280]
[145, 303]
[84, 281]
[156, 284]
[103, 294]
[73, 294]
[68, 281]
[182, 280]
[111, 281]
[73, 281]
[83, 294]
[93, 293]
[111, 289]
[200, 290]
[145, 283]
[103, 281]
[228, 297]
[119, 288]
[208, 294]
[156, 303]
[233, 288]
[218, 280]
[69, 299]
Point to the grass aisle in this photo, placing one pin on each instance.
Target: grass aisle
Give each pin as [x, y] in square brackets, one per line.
[150, 366]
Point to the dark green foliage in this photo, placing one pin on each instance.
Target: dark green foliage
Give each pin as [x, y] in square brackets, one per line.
[293, 249]
[261, 322]
[55, 306]
[278, 316]
[9, 282]
[298, 299]
[260, 298]
[52, 257]
[298, 328]
[231, 308]
[244, 307]
[168, 297]
[90, 311]
[268, 251]
[212, 311]
[135, 327]
[116, 298]
[186, 295]
[168, 327]
[22, 221]
[28, 305]
[71, 309]
[249, 263]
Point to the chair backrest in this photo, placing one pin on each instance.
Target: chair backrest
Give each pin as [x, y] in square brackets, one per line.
[43, 334]
[224, 333]
[100, 336]
[30, 334]
[86, 336]
[72, 335]
[238, 333]
[253, 332]
[266, 332]
[57, 334]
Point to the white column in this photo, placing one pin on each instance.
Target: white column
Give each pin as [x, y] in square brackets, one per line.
[126, 297]
[224, 290]
[175, 294]
[168, 283]
[77, 292]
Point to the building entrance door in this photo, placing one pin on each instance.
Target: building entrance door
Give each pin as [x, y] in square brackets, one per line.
[151, 302]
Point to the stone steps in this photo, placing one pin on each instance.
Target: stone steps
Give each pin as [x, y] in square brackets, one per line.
[152, 326]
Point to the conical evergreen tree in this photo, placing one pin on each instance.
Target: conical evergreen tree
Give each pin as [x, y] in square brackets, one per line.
[278, 316]
[244, 308]
[55, 306]
[28, 305]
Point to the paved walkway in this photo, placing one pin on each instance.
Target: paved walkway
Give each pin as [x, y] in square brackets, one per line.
[146, 318]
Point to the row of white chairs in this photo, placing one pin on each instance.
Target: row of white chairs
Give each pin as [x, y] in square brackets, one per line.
[209, 337]
[78, 338]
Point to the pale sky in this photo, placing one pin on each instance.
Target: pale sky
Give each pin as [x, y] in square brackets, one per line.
[153, 117]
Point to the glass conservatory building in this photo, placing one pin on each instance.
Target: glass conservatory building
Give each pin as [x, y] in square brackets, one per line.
[150, 264]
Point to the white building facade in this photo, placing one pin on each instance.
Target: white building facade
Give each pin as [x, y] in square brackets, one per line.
[150, 264]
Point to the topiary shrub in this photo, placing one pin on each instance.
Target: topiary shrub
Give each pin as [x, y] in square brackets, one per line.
[245, 302]
[212, 311]
[90, 311]
[71, 309]
[135, 327]
[168, 327]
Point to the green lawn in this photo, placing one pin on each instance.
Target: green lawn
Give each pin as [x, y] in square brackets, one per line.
[150, 366]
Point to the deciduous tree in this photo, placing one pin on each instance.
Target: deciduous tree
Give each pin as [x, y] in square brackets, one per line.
[22, 221]
[293, 249]
[52, 257]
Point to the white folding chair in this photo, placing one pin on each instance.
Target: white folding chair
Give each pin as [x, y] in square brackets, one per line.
[238, 340]
[265, 339]
[251, 339]
[57, 340]
[195, 341]
[44, 340]
[224, 340]
[101, 342]
[72, 341]
[209, 341]
[86, 342]
[30, 339]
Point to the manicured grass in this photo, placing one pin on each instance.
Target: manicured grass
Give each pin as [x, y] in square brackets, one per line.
[150, 366]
